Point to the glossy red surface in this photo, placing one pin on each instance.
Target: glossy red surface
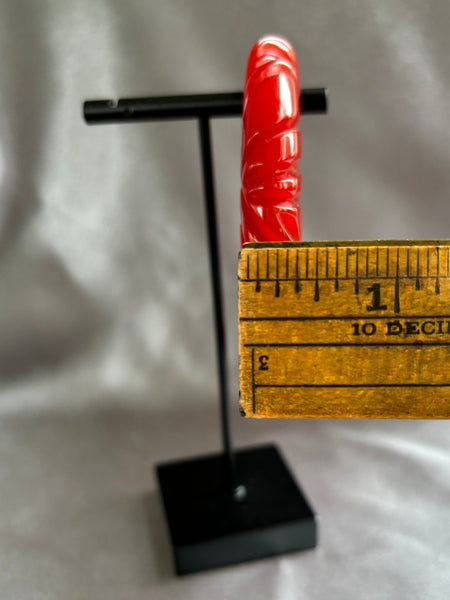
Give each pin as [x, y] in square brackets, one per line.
[271, 145]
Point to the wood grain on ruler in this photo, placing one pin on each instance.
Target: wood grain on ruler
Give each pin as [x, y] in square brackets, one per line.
[346, 330]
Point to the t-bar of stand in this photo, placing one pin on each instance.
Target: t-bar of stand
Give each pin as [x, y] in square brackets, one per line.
[225, 519]
[192, 106]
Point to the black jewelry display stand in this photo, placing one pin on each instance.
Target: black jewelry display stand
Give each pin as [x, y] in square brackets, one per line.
[237, 505]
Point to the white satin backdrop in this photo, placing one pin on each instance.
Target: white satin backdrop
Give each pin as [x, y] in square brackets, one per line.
[106, 346]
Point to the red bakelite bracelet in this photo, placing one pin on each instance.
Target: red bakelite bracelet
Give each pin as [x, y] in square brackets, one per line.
[271, 145]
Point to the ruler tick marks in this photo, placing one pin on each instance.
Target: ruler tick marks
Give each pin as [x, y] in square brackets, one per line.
[336, 280]
[407, 262]
[346, 262]
[367, 262]
[357, 273]
[387, 262]
[417, 270]
[377, 262]
[316, 286]
[267, 264]
[297, 277]
[277, 283]
[437, 287]
[428, 262]
[307, 264]
[327, 263]
[258, 283]
[397, 285]
[287, 263]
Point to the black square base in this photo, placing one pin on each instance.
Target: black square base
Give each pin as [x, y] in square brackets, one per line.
[209, 528]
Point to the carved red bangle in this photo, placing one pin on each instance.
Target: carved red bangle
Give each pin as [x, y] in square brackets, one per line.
[271, 145]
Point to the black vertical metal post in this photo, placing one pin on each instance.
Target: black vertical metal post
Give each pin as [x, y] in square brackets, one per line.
[214, 264]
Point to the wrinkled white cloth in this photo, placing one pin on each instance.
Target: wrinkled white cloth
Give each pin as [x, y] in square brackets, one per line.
[106, 343]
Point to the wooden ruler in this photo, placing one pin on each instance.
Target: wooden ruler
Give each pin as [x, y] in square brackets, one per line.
[345, 329]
